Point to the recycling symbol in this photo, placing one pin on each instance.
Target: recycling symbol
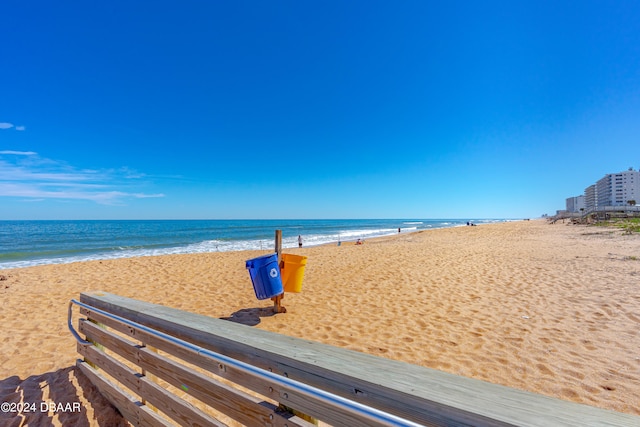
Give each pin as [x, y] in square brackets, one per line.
[273, 273]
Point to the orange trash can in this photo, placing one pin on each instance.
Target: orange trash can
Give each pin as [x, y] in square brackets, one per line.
[292, 272]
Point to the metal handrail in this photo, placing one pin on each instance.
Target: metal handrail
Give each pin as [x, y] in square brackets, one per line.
[368, 412]
[70, 325]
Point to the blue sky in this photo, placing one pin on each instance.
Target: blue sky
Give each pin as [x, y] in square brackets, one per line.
[299, 109]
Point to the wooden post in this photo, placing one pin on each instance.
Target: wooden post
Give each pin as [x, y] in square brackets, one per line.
[100, 346]
[151, 377]
[278, 308]
[277, 300]
[278, 247]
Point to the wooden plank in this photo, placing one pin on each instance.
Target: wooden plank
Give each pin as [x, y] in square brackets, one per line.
[190, 356]
[247, 410]
[236, 404]
[305, 361]
[305, 405]
[420, 394]
[240, 406]
[217, 395]
[131, 409]
[177, 409]
[122, 346]
[125, 403]
[119, 371]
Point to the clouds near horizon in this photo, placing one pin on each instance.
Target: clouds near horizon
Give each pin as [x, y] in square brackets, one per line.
[6, 125]
[18, 153]
[27, 175]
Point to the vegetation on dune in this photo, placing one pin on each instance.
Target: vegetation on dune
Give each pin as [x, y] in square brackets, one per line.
[629, 225]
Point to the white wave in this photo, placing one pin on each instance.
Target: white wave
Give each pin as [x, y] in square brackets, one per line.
[348, 234]
[237, 245]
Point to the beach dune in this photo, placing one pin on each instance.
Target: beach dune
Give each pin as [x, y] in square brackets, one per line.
[552, 309]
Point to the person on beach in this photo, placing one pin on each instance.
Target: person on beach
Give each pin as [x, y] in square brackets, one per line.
[299, 241]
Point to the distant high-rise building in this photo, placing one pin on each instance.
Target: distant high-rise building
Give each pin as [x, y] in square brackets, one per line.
[574, 204]
[590, 197]
[616, 189]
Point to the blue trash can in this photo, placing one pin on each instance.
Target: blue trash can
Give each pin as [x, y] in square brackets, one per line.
[265, 276]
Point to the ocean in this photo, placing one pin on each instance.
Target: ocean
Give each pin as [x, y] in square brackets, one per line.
[29, 243]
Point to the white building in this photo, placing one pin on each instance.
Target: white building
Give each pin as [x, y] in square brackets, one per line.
[616, 189]
[590, 197]
[575, 204]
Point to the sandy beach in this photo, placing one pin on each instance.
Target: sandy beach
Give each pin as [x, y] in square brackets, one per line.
[552, 309]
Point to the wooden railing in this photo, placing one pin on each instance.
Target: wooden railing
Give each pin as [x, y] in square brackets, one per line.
[161, 366]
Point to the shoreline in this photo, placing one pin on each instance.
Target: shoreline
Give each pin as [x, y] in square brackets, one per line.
[216, 245]
[552, 309]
